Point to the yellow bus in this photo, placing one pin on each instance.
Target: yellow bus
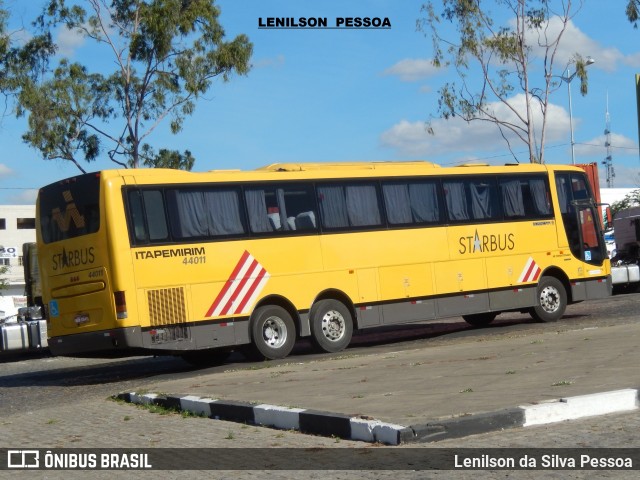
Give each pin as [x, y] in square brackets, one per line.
[198, 264]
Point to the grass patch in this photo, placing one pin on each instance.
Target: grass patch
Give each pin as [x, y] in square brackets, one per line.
[562, 383]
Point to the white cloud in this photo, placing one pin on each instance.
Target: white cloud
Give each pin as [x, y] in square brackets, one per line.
[276, 61]
[412, 69]
[5, 171]
[25, 197]
[620, 145]
[455, 136]
[575, 41]
[625, 176]
[69, 41]
[632, 60]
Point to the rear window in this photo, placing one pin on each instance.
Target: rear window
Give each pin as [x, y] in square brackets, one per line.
[70, 208]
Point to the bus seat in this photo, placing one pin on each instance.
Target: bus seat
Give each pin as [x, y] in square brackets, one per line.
[305, 220]
[274, 220]
[291, 221]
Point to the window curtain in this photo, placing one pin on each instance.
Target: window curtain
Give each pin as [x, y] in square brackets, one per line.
[397, 202]
[481, 201]
[257, 207]
[538, 188]
[456, 200]
[424, 202]
[333, 207]
[223, 209]
[362, 205]
[563, 194]
[512, 200]
[187, 213]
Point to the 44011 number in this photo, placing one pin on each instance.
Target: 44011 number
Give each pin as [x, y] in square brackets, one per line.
[194, 260]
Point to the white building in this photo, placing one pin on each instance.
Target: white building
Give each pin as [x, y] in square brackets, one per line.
[17, 226]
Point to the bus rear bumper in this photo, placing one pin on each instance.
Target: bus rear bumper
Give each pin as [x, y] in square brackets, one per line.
[110, 341]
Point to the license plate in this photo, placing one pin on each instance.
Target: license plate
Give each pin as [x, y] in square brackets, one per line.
[81, 319]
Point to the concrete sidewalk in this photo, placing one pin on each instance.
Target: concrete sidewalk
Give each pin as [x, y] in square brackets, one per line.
[427, 393]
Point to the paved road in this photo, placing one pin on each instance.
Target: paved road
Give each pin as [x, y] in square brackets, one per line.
[62, 403]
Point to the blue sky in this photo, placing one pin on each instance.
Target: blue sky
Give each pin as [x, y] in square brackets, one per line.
[360, 94]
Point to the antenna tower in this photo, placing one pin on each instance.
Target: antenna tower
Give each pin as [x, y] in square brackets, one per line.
[608, 161]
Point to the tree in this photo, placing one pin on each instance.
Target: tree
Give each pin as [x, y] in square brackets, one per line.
[510, 65]
[4, 284]
[633, 12]
[22, 64]
[632, 199]
[169, 159]
[166, 54]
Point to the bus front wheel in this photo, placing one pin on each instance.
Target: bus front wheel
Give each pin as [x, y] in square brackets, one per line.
[551, 300]
[273, 332]
[331, 325]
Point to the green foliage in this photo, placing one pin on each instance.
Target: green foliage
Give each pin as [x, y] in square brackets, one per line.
[20, 64]
[633, 12]
[165, 53]
[61, 111]
[630, 200]
[3, 281]
[496, 62]
[168, 159]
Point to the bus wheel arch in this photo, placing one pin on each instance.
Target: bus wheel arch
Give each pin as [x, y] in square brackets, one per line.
[273, 329]
[284, 303]
[553, 294]
[332, 319]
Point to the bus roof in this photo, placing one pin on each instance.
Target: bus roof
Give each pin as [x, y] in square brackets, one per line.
[328, 170]
[301, 167]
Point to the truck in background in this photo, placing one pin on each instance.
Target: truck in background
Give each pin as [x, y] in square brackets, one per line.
[625, 264]
[625, 257]
[26, 331]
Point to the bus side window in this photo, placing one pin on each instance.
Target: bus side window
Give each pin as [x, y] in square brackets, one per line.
[484, 204]
[352, 205]
[513, 202]
[456, 201]
[156, 219]
[259, 221]
[411, 203]
[136, 212]
[524, 197]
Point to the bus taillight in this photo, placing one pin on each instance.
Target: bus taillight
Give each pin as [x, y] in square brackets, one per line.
[121, 305]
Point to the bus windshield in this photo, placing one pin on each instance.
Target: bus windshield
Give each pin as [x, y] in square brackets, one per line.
[70, 208]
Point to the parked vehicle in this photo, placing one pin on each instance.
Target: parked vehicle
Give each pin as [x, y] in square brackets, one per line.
[27, 330]
[625, 264]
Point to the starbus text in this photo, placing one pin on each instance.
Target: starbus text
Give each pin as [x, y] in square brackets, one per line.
[486, 243]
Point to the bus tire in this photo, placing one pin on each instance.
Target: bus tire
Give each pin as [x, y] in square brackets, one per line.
[480, 319]
[273, 332]
[551, 300]
[331, 325]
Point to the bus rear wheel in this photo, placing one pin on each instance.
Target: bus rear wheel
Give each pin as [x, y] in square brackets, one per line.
[273, 332]
[480, 319]
[331, 325]
[551, 300]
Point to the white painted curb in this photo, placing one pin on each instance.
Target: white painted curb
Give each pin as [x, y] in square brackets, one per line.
[581, 406]
[372, 430]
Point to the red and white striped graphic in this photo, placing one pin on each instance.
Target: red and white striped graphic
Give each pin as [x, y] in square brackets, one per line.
[531, 272]
[241, 288]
